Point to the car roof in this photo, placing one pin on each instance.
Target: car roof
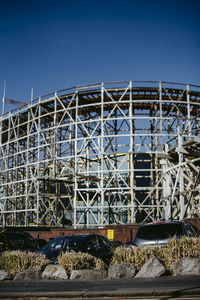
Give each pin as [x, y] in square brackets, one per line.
[81, 236]
[14, 233]
[162, 222]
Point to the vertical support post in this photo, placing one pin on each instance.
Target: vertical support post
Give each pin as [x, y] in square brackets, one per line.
[188, 110]
[75, 163]
[99, 176]
[161, 117]
[3, 100]
[131, 217]
[31, 94]
[166, 187]
[159, 147]
[27, 166]
[102, 154]
[38, 167]
[87, 156]
[166, 211]
[55, 210]
[1, 133]
[181, 184]
[2, 158]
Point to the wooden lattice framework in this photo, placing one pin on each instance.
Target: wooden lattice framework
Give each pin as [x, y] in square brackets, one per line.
[119, 152]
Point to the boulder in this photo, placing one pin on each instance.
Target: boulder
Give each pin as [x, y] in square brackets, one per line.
[88, 274]
[187, 266]
[4, 275]
[152, 268]
[29, 274]
[124, 270]
[54, 272]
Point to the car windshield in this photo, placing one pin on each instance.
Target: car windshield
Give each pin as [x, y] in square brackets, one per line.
[159, 231]
[71, 242]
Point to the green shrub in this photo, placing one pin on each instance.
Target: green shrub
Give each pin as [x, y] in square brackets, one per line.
[79, 261]
[176, 248]
[17, 261]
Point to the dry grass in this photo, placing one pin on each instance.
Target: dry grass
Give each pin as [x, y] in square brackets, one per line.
[79, 261]
[17, 261]
[184, 247]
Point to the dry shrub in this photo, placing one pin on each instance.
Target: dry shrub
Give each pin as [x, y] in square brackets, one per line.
[17, 261]
[137, 255]
[176, 248]
[79, 261]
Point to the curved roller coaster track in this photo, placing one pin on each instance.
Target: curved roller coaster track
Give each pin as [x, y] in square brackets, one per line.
[103, 153]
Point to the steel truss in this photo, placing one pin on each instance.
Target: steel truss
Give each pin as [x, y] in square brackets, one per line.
[104, 153]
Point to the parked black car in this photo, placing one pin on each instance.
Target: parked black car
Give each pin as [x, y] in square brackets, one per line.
[11, 240]
[159, 233]
[94, 244]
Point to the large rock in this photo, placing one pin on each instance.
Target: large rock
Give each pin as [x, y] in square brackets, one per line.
[54, 272]
[152, 268]
[89, 274]
[4, 275]
[124, 270]
[187, 266]
[29, 274]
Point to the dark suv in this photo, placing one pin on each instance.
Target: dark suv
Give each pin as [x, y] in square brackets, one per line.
[11, 240]
[94, 244]
[159, 233]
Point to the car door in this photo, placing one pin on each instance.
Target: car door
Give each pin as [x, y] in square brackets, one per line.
[54, 248]
[107, 249]
[93, 246]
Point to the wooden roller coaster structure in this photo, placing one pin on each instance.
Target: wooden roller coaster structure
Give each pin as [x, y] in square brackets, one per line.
[103, 153]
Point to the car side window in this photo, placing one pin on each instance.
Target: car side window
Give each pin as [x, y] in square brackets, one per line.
[94, 243]
[189, 230]
[57, 244]
[70, 245]
[105, 242]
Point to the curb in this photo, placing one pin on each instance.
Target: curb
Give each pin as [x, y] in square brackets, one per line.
[100, 294]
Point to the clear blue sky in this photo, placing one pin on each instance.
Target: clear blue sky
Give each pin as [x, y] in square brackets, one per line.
[55, 44]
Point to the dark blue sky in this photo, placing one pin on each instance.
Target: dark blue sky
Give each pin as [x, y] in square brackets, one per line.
[51, 45]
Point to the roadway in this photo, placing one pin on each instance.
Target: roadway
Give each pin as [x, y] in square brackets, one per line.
[186, 287]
